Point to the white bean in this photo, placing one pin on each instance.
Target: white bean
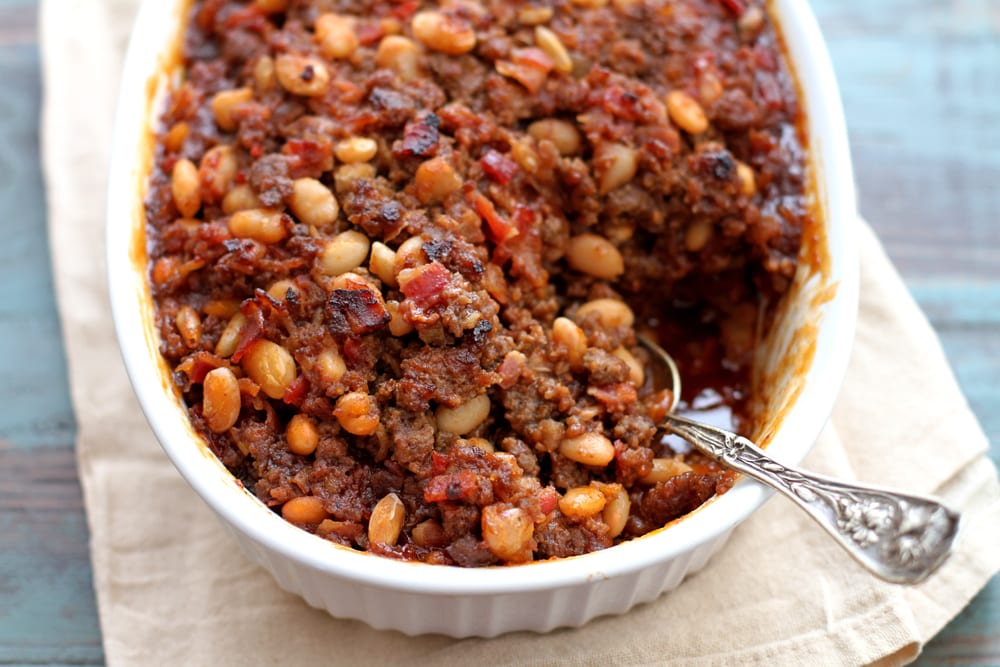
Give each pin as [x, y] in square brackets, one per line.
[387, 520]
[383, 263]
[596, 256]
[335, 35]
[260, 224]
[465, 417]
[685, 111]
[663, 469]
[592, 449]
[302, 75]
[344, 252]
[616, 165]
[313, 203]
[610, 312]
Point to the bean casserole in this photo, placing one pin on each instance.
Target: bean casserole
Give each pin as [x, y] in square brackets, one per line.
[400, 252]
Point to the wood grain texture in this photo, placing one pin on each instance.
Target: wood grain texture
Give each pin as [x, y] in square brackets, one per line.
[33, 365]
[48, 615]
[921, 87]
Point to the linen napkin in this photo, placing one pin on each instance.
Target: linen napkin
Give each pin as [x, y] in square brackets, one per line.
[173, 589]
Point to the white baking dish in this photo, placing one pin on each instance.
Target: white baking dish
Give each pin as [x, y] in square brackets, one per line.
[815, 333]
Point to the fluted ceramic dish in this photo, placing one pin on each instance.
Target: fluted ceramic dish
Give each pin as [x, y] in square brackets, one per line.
[803, 363]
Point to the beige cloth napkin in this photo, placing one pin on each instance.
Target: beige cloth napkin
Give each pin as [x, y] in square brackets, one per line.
[173, 589]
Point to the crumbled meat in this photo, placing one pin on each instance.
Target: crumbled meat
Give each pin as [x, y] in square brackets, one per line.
[517, 215]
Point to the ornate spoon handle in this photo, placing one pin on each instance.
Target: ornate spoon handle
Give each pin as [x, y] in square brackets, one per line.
[900, 537]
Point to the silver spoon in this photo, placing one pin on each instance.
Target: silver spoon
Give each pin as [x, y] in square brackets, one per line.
[899, 537]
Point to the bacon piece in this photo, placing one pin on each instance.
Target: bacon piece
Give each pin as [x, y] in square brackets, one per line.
[205, 17]
[511, 368]
[420, 138]
[456, 115]
[296, 393]
[524, 218]
[529, 67]
[404, 10]
[250, 17]
[424, 284]
[199, 364]
[616, 398]
[251, 332]
[308, 157]
[523, 248]
[355, 311]
[622, 103]
[369, 32]
[548, 498]
[249, 387]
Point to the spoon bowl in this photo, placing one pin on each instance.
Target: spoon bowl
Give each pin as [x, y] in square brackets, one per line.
[899, 537]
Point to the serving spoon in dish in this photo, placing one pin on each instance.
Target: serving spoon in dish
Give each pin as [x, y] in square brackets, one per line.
[899, 537]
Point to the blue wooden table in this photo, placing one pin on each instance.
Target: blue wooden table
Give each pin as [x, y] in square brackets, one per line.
[921, 86]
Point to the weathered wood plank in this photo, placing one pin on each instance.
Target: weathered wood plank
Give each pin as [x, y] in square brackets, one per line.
[967, 319]
[17, 22]
[921, 88]
[970, 304]
[971, 639]
[48, 613]
[34, 394]
[975, 357]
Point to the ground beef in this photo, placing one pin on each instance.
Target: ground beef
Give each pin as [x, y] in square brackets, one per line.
[400, 253]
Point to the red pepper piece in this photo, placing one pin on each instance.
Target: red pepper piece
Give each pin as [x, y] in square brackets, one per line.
[439, 463]
[499, 228]
[498, 166]
[735, 6]
[524, 218]
[457, 486]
